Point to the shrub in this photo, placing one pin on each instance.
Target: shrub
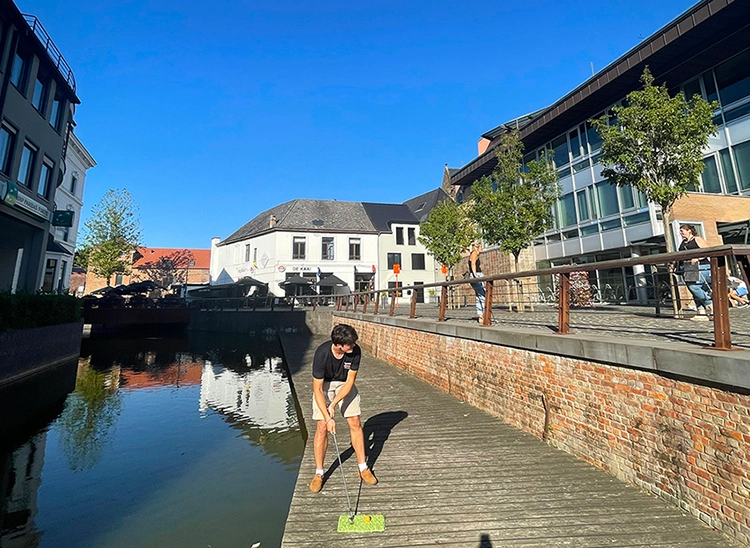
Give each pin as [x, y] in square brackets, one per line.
[26, 310]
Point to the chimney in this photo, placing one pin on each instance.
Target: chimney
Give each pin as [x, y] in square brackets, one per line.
[272, 221]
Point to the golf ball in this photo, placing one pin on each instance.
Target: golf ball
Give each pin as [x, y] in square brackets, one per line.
[367, 519]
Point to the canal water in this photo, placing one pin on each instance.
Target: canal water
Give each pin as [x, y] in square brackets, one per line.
[188, 441]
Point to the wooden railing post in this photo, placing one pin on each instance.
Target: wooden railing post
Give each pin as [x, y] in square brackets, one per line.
[487, 318]
[338, 304]
[348, 298]
[413, 311]
[563, 318]
[377, 303]
[720, 297]
[443, 303]
[315, 303]
[364, 306]
[393, 302]
[356, 302]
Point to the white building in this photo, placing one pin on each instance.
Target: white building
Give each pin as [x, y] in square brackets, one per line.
[68, 197]
[311, 239]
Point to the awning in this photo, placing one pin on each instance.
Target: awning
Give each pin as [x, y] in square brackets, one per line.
[332, 281]
[296, 280]
[54, 247]
[734, 233]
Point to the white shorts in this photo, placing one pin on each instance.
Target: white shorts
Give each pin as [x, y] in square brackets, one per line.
[349, 406]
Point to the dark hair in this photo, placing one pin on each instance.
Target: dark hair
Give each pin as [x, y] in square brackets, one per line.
[344, 334]
[691, 228]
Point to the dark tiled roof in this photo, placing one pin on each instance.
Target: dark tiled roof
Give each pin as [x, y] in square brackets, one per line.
[423, 204]
[307, 216]
[382, 215]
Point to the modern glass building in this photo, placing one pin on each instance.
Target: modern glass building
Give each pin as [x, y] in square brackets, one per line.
[705, 51]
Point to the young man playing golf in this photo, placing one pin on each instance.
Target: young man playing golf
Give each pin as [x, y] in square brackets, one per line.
[335, 367]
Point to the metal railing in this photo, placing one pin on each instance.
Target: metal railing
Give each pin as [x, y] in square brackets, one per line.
[54, 54]
[506, 292]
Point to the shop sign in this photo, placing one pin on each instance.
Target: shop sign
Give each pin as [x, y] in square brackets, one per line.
[32, 206]
[302, 269]
[62, 218]
[282, 268]
[8, 192]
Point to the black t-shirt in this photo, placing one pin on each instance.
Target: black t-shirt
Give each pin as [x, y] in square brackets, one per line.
[327, 367]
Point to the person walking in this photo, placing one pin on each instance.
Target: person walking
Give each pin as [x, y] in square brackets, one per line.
[335, 366]
[475, 271]
[699, 284]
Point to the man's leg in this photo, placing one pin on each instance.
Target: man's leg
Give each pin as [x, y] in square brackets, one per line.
[320, 446]
[358, 444]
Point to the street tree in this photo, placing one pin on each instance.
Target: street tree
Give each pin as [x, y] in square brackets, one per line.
[656, 145]
[447, 232]
[112, 233]
[513, 205]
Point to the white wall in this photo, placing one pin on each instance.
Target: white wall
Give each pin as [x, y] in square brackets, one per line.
[408, 275]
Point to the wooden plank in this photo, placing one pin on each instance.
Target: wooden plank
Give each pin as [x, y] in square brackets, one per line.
[451, 475]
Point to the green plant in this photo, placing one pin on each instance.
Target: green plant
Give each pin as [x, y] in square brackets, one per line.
[26, 310]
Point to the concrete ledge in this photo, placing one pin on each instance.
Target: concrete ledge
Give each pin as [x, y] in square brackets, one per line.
[731, 369]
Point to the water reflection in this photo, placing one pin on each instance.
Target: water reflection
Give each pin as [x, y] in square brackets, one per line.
[155, 433]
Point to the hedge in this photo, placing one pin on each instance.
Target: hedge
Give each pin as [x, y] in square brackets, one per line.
[26, 310]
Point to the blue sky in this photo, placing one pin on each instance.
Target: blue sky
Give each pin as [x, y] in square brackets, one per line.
[211, 112]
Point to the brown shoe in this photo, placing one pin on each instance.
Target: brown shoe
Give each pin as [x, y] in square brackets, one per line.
[316, 484]
[368, 477]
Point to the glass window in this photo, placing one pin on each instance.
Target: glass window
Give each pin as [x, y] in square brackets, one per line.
[326, 252]
[255, 256]
[554, 216]
[710, 86]
[575, 144]
[55, 116]
[580, 166]
[583, 205]
[560, 149]
[39, 98]
[638, 218]
[611, 224]
[247, 253]
[567, 210]
[393, 258]
[298, 247]
[727, 168]
[606, 197]
[710, 176]
[641, 199]
[355, 249]
[399, 236]
[394, 285]
[734, 113]
[49, 275]
[742, 157]
[26, 169]
[61, 279]
[589, 230]
[412, 234]
[45, 178]
[73, 184]
[18, 72]
[417, 261]
[733, 78]
[626, 197]
[595, 142]
[692, 88]
[7, 139]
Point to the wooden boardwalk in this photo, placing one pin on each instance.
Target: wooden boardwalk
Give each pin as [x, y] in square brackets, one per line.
[451, 475]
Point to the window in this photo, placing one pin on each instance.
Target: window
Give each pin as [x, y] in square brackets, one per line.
[726, 167]
[65, 234]
[560, 150]
[710, 176]
[355, 249]
[18, 72]
[742, 157]
[255, 256]
[394, 285]
[567, 210]
[399, 236]
[626, 197]
[298, 247]
[45, 178]
[61, 280]
[417, 261]
[327, 249]
[7, 139]
[412, 234]
[49, 275]
[393, 258]
[26, 169]
[247, 253]
[583, 205]
[39, 97]
[575, 143]
[641, 199]
[55, 117]
[606, 197]
[73, 184]
[118, 279]
[733, 78]
[595, 141]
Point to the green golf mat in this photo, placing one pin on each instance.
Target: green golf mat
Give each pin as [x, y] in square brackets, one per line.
[362, 524]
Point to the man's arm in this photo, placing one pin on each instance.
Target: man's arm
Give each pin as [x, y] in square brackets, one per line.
[343, 392]
[320, 401]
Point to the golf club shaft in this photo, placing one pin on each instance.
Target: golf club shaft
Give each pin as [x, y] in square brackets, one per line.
[343, 476]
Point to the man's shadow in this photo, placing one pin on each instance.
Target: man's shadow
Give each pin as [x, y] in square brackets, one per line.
[376, 431]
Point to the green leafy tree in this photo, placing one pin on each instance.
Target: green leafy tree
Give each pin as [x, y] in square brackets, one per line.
[447, 232]
[81, 257]
[112, 233]
[657, 144]
[512, 205]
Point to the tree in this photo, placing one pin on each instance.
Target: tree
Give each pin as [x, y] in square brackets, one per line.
[513, 205]
[81, 257]
[447, 232]
[657, 144]
[112, 233]
[168, 269]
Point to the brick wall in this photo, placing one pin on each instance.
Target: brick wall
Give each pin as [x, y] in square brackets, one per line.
[686, 443]
[496, 262]
[711, 208]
